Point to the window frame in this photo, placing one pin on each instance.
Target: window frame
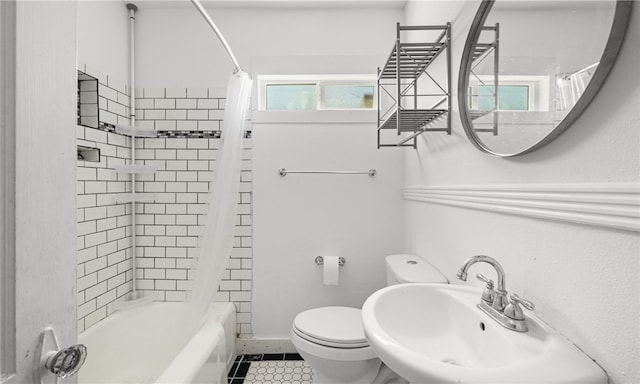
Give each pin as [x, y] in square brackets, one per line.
[321, 82]
[539, 96]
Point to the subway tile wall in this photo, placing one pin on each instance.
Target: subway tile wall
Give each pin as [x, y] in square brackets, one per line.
[167, 230]
[180, 109]
[104, 227]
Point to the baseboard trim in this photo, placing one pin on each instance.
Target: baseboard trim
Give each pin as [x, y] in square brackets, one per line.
[261, 346]
[614, 205]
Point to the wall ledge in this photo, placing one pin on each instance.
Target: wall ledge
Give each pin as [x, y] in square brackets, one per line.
[614, 205]
[315, 117]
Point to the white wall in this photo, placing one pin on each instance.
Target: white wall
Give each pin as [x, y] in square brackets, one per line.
[43, 106]
[300, 216]
[177, 48]
[103, 38]
[583, 279]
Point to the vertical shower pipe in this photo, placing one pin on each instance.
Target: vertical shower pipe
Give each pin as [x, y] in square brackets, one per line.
[398, 79]
[448, 48]
[496, 69]
[132, 117]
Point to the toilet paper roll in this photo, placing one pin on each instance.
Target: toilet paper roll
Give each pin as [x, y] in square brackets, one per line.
[330, 270]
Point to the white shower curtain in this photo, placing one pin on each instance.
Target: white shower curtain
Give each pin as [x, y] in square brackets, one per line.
[216, 240]
[570, 87]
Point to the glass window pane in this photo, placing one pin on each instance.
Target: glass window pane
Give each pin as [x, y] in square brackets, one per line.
[485, 97]
[513, 97]
[291, 97]
[510, 97]
[348, 96]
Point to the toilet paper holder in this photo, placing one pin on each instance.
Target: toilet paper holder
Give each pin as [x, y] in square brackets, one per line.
[320, 260]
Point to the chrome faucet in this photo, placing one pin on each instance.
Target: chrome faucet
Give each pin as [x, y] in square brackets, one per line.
[494, 302]
[500, 299]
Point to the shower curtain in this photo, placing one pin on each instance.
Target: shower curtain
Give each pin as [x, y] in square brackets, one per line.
[216, 240]
[570, 87]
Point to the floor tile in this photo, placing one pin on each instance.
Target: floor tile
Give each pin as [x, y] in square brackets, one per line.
[278, 372]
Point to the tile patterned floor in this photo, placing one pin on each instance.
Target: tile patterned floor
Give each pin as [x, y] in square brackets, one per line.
[270, 369]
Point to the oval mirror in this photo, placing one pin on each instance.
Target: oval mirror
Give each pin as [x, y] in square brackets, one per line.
[529, 68]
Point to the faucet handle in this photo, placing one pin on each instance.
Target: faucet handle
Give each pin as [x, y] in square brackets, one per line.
[483, 278]
[524, 302]
[513, 310]
[488, 295]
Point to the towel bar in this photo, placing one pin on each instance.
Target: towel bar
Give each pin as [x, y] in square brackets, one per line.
[372, 172]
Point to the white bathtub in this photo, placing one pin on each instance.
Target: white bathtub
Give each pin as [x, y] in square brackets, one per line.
[148, 344]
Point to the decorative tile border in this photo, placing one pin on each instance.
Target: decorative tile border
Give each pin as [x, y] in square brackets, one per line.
[178, 134]
[614, 205]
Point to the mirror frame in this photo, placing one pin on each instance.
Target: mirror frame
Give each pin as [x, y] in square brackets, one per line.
[612, 48]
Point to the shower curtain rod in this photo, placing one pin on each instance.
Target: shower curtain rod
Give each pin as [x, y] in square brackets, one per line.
[204, 14]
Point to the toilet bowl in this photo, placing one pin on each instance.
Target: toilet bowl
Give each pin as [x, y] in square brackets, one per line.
[332, 339]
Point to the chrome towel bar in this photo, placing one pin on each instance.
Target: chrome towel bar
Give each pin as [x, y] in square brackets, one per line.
[372, 172]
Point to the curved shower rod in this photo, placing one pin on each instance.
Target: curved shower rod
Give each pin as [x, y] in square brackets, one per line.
[204, 14]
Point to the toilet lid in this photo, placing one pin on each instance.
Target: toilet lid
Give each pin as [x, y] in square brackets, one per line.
[336, 326]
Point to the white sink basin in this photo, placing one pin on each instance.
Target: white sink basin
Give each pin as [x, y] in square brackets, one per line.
[434, 333]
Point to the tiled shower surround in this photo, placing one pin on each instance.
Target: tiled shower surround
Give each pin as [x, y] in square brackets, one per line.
[189, 123]
[168, 229]
[104, 228]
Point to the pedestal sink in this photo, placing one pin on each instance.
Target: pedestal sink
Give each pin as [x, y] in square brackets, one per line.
[434, 333]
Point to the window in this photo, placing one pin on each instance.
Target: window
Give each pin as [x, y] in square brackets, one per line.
[313, 93]
[515, 93]
[291, 97]
[347, 96]
[510, 97]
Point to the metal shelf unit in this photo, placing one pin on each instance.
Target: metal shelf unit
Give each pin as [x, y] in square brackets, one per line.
[406, 66]
[481, 51]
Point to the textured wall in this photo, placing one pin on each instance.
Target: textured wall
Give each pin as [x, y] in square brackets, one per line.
[583, 279]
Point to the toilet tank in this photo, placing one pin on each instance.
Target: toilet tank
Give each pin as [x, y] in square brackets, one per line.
[403, 268]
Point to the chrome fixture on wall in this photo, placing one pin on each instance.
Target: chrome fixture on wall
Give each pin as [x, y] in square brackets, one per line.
[319, 260]
[372, 172]
[517, 98]
[494, 301]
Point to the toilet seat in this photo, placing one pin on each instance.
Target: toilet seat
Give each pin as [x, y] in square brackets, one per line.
[335, 327]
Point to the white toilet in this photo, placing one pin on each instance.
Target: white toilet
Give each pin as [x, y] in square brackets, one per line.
[332, 340]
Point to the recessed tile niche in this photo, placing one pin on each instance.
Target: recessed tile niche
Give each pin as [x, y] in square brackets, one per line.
[87, 100]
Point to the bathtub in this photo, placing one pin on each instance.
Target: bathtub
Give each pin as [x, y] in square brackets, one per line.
[149, 344]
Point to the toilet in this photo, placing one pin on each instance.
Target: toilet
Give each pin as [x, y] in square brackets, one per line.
[332, 340]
